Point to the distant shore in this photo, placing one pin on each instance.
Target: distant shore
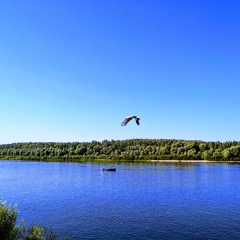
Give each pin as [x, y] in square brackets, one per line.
[117, 161]
[130, 150]
[191, 161]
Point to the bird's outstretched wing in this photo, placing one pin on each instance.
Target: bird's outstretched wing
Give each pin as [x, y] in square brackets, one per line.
[126, 120]
[138, 121]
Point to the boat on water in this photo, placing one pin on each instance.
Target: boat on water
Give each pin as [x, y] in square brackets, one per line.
[109, 169]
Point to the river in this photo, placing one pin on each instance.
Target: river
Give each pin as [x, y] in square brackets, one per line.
[138, 201]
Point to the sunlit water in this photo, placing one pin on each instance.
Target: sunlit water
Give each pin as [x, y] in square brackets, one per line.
[138, 201]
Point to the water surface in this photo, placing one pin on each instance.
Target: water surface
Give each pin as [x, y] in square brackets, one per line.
[139, 201]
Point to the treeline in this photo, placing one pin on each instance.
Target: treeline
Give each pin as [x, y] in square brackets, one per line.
[125, 150]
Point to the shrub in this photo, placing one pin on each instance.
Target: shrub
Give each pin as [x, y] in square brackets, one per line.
[35, 232]
[8, 218]
[9, 230]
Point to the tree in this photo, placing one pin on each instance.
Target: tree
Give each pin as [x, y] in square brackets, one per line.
[217, 155]
[206, 155]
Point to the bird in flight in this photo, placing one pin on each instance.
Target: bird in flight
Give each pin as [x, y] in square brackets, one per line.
[128, 119]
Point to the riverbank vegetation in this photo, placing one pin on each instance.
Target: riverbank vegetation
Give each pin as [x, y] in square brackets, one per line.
[10, 231]
[125, 150]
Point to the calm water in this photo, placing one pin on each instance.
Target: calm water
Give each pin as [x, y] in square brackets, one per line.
[139, 201]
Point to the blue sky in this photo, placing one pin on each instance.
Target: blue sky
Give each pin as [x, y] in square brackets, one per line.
[73, 70]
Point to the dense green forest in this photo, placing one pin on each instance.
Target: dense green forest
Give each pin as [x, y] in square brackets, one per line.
[125, 150]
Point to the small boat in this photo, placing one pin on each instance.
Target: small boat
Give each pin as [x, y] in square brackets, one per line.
[109, 169]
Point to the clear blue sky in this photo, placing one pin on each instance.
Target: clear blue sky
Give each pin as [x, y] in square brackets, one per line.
[73, 70]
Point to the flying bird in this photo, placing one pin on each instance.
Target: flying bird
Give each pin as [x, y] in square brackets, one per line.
[128, 119]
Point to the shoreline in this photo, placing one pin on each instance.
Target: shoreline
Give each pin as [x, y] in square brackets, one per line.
[187, 161]
[191, 161]
[116, 161]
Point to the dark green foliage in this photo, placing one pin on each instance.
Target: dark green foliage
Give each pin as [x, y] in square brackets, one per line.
[126, 150]
[35, 232]
[8, 218]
